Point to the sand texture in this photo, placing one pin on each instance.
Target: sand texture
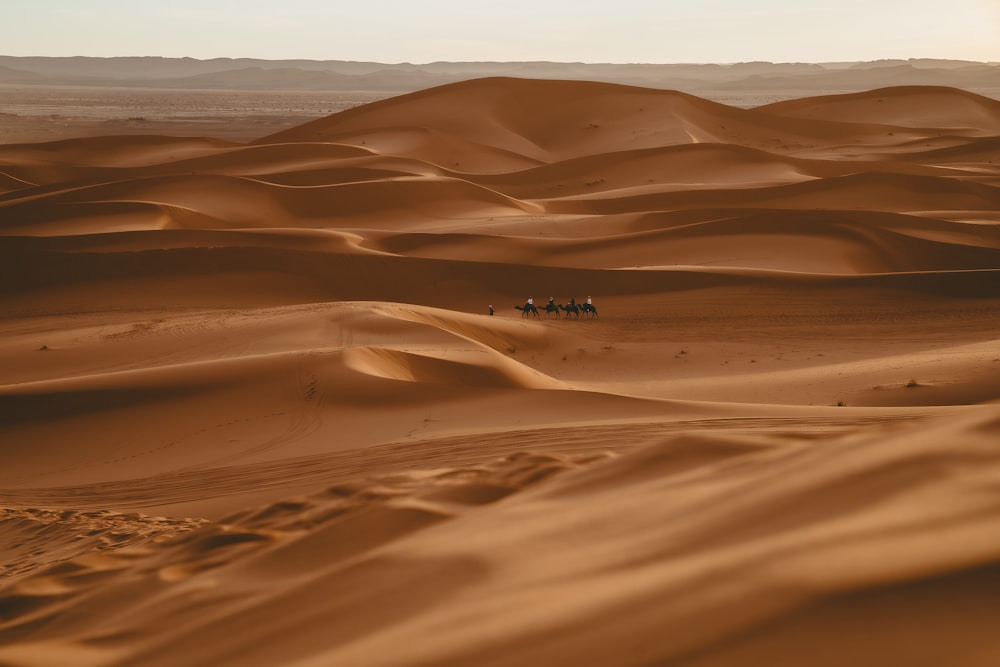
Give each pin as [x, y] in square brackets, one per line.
[254, 410]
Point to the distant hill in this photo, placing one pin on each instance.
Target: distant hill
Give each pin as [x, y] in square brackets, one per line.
[339, 75]
[11, 75]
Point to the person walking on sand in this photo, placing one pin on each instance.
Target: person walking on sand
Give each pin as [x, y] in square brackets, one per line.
[491, 310]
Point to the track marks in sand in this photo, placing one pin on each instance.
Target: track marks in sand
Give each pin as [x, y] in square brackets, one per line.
[34, 538]
[693, 545]
[230, 485]
[582, 555]
[95, 560]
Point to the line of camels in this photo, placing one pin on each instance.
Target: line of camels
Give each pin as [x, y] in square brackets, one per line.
[574, 310]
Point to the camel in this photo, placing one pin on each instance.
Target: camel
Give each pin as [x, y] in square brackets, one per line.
[571, 309]
[589, 309]
[550, 308]
[527, 309]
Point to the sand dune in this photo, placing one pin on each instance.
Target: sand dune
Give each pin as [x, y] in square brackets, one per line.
[559, 120]
[254, 410]
[949, 110]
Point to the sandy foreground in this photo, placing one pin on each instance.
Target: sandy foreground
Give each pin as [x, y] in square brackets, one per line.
[254, 410]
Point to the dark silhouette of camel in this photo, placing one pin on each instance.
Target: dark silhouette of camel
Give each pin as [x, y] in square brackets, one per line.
[571, 309]
[550, 308]
[589, 310]
[527, 309]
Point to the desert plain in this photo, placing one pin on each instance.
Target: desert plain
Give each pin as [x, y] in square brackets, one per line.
[255, 409]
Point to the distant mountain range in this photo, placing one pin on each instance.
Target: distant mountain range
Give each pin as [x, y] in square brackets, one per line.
[338, 75]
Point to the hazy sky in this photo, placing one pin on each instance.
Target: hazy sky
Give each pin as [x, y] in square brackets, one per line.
[419, 31]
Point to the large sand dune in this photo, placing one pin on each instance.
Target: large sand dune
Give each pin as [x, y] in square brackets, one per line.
[254, 411]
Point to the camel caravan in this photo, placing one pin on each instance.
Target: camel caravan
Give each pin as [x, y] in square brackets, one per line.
[572, 309]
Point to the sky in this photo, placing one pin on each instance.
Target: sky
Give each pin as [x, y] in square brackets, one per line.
[422, 31]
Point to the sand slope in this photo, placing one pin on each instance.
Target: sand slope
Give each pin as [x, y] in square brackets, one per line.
[253, 410]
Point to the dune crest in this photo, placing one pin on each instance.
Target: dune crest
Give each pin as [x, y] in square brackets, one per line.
[284, 402]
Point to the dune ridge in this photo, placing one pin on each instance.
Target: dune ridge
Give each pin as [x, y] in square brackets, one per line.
[279, 402]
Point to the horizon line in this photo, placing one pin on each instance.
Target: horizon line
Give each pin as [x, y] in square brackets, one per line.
[521, 62]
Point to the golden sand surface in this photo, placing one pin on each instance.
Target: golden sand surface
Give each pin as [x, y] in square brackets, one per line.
[255, 409]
